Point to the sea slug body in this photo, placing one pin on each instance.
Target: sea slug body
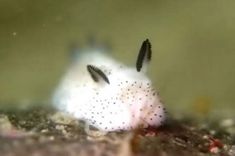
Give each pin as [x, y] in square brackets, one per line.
[109, 95]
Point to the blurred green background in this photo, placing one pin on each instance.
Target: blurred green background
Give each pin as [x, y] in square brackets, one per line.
[193, 44]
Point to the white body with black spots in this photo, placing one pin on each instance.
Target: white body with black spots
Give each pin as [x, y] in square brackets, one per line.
[108, 95]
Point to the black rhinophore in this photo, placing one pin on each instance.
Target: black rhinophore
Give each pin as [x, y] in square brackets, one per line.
[144, 55]
[97, 73]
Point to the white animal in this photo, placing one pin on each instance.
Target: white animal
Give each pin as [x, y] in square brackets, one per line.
[109, 95]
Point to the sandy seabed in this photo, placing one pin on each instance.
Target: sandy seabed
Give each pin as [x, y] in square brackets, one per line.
[41, 131]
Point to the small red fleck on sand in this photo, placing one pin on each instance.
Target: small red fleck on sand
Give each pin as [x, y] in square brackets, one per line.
[150, 131]
[215, 145]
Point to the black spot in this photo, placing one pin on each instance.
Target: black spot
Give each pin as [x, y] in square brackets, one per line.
[160, 116]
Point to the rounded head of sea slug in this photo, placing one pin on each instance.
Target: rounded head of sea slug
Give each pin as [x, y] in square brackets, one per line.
[126, 101]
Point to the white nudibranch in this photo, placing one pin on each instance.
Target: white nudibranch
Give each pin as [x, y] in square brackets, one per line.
[109, 95]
